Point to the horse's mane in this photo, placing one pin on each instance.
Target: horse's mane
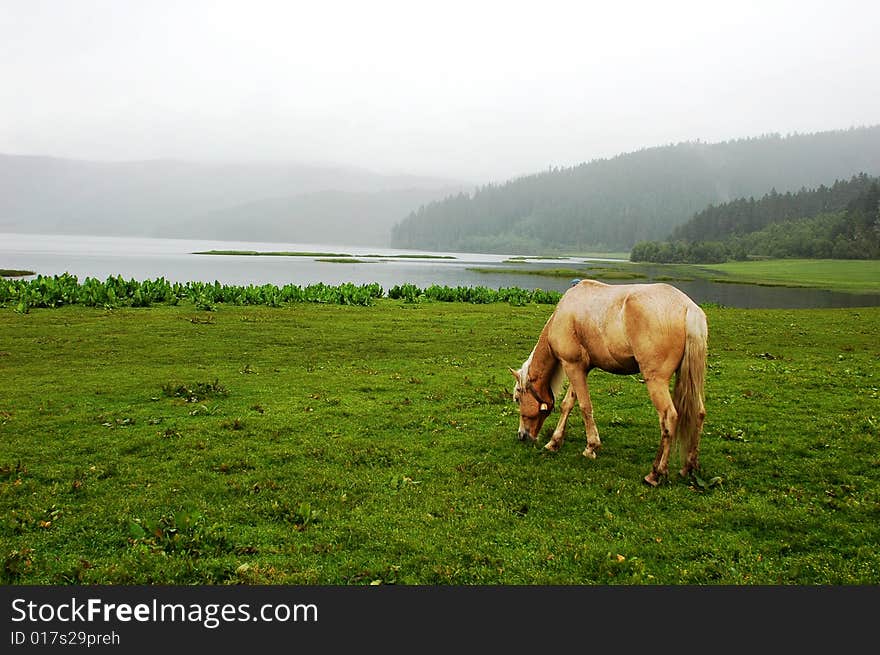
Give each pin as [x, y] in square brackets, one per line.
[557, 373]
[557, 378]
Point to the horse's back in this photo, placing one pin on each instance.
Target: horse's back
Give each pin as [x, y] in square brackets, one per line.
[587, 325]
[598, 298]
[621, 325]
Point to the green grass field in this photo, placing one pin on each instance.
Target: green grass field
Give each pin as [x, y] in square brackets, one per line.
[855, 276]
[325, 444]
[851, 276]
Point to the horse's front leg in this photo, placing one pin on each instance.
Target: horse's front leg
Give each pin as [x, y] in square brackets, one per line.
[577, 376]
[558, 437]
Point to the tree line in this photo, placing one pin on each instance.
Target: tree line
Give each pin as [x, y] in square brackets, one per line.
[841, 221]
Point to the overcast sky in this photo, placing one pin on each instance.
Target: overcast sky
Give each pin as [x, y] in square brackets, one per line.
[475, 90]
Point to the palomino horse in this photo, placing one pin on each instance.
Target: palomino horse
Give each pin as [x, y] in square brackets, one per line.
[654, 329]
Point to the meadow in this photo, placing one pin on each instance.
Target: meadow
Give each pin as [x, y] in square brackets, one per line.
[850, 276]
[320, 443]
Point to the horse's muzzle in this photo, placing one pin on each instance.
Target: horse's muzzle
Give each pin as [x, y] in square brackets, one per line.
[524, 435]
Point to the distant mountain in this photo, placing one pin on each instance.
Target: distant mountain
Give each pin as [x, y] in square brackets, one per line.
[614, 203]
[256, 201]
[344, 217]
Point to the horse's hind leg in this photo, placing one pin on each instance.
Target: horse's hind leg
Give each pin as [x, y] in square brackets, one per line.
[658, 388]
[558, 437]
[692, 460]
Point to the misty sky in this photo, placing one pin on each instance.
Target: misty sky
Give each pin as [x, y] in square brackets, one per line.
[478, 91]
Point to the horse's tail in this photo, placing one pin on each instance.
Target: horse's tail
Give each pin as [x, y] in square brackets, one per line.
[688, 394]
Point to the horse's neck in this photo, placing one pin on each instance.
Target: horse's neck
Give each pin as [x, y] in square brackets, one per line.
[544, 366]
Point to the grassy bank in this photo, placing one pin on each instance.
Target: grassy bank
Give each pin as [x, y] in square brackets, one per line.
[851, 276]
[623, 272]
[326, 444]
[283, 253]
[854, 276]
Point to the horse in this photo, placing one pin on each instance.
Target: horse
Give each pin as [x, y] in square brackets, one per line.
[652, 329]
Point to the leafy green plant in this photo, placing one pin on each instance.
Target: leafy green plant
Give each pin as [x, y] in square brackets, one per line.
[114, 292]
[301, 516]
[179, 532]
[16, 564]
[195, 393]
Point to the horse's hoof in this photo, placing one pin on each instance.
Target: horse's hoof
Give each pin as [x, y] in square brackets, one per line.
[651, 479]
[589, 454]
[552, 447]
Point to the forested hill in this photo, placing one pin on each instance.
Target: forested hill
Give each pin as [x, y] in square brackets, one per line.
[614, 203]
[745, 215]
[839, 222]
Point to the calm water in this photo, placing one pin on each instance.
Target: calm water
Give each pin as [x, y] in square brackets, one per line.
[144, 258]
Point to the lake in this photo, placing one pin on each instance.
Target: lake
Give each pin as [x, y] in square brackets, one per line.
[173, 259]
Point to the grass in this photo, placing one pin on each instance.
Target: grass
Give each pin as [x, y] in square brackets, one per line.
[598, 273]
[337, 255]
[855, 276]
[413, 256]
[342, 260]
[323, 444]
[280, 253]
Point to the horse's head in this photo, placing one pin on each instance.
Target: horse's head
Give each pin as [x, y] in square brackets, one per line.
[533, 409]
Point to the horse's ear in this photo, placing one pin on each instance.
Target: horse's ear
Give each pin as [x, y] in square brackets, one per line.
[515, 373]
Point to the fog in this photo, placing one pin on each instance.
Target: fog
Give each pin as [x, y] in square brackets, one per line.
[476, 91]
